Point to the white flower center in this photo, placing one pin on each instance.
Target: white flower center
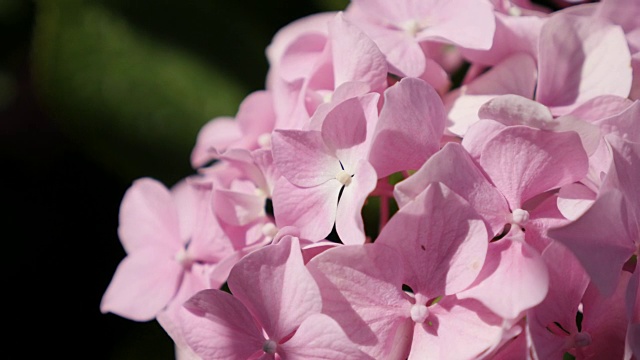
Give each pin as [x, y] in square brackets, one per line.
[413, 27]
[519, 217]
[269, 230]
[344, 177]
[419, 313]
[183, 258]
[269, 347]
[264, 140]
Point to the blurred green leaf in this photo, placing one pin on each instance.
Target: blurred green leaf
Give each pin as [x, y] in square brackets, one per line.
[332, 5]
[134, 103]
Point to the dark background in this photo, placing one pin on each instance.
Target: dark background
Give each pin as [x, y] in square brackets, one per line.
[93, 95]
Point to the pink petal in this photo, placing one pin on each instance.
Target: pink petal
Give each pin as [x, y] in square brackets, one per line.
[409, 129]
[523, 162]
[465, 179]
[601, 107]
[349, 223]
[514, 278]
[403, 53]
[344, 130]
[237, 208]
[148, 217]
[320, 337]
[355, 56]
[303, 158]
[312, 210]
[605, 320]
[514, 34]
[581, 58]
[567, 284]
[599, 240]
[478, 135]
[256, 116]
[361, 290]
[574, 199]
[218, 326]
[442, 240]
[219, 133]
[275, 286]
[456, 322]
[466, 23]
[517, 110]
[142, 285]
[515, 75]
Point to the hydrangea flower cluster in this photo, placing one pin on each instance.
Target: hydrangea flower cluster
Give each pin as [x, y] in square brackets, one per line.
[364, 205]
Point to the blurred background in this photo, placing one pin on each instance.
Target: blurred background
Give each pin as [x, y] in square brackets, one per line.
[93, 95]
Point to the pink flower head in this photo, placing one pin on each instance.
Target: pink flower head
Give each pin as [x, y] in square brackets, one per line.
[399, 27]
[273, 312]
[165, 253]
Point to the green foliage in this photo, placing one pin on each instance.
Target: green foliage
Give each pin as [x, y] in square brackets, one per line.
[134, 103]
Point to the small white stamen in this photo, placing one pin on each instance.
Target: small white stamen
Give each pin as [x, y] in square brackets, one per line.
[344, 177]
[519, 217]
[260, 192]
[411, 27]
[582, 339]
[419, 313]
[269, 230]
[514, 11]
[264, 140]
[269, 347]
[183, 258]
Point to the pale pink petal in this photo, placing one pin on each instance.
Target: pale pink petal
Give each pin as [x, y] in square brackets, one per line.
[403, 53]
[466, 23]
[355, 56]
[303, 158]
[320, 337]
[186, 197]
[599, 239]
[312, 210]
[478, 134]
[237, 208]
[523, 162]
[514, 278]
[148, 217]
[142, 285]
[301, 55]
[349, 223]
[574, 199]
[554, 320]
[465, 179]
[581, 58]
[605, 320]
[219, 133]
[517, 110]
[194, 280]
[255, 117]
[625, 13]
[218, 326]
[456, 329]
[361, 290]
[516, 75]
[601, 107]
[442, 239]
[623, 124]
[514, 34]
[275, 286]
[633, 313]
[409, 129]
[344, 131]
